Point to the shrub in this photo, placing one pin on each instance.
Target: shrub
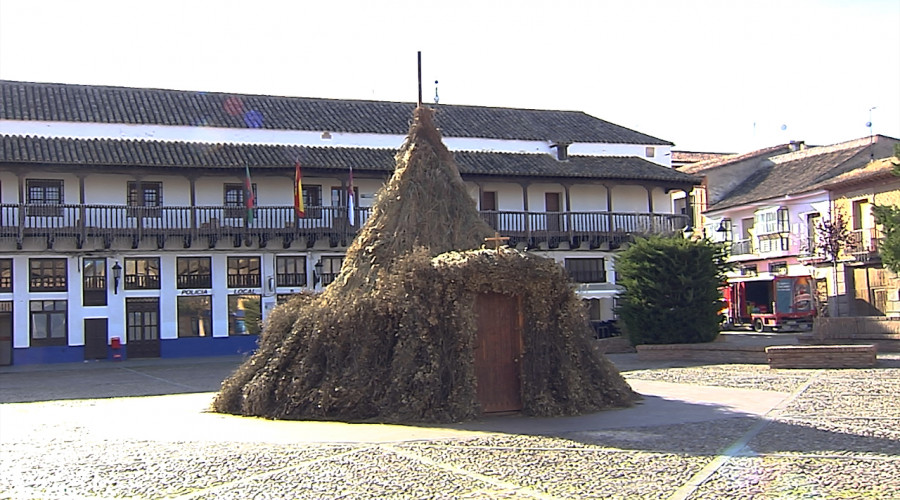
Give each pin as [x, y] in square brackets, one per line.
[671, 290]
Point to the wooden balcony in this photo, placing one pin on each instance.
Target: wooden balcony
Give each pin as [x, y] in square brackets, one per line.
[105, 224]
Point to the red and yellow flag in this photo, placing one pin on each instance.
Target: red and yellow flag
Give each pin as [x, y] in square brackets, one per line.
[299, 209]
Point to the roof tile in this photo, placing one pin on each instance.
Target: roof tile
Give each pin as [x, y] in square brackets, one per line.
[56, 102]
[163, 154]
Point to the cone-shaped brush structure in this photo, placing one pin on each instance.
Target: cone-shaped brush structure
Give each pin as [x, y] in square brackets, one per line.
[424, 204]
[394, 337]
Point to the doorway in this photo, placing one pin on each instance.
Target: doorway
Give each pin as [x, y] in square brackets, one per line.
[498, 352]
[553, 208]
[6, 333]
[142, 324]
[96, 331]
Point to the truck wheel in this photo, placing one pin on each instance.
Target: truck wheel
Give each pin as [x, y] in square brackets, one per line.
[758, 325]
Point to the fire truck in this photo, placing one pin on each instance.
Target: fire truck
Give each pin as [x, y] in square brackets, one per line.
[767, 303]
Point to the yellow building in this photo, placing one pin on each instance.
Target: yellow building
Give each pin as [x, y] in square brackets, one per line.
[859, 282]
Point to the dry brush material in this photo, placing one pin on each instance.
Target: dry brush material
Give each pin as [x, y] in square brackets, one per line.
[391, 340]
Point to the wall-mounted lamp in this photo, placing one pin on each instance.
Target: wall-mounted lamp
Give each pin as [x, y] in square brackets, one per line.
[117, 275]
[723, 228]
[271, 281]
[317, 274]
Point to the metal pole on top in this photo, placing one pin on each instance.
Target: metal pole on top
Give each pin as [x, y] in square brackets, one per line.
[419, 102]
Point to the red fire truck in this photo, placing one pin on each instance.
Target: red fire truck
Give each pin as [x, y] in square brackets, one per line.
[766, 303]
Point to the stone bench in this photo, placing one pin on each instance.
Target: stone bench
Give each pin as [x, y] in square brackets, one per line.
[822, 356]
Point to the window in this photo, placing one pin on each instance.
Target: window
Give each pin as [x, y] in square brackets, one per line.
[290, 271]
[339, 196]
[749, 270]
[243, 272]
[331, 267]
[6, 276]
[771, 221]
[746, 228]
[93, 277]
[244, 315]
[811, 244]
[48, 323]
[773, 243]
[144, 199]
[45, 197]
[47, 275]
[195, 316]
[312, 201]
[235, 207]
[779, 267]
[142, 273]
[650, 151]
[586, 270]
[281, 298]
[861, 216]
[194, 272]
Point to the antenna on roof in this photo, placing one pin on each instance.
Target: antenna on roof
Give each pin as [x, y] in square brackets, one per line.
[420, 79]
[436, 98]
[869, 123]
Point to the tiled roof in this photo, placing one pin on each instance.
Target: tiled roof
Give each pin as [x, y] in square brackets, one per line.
[876, 171]
[734, 158]
[689, 157]
[160, 154]
[101, 104]
[806, 170]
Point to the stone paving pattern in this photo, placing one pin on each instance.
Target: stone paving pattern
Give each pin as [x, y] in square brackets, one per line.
[836, 436]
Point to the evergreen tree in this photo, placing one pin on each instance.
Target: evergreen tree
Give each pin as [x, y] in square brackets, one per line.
[889, 218]
[889, 246]
[672, 290]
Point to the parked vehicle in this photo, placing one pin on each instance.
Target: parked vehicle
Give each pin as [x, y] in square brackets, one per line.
[765, 303]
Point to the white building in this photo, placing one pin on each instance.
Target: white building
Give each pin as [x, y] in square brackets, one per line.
[122, 217]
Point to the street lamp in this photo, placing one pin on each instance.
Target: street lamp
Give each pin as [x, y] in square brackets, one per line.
[317, 274]
[117, 275]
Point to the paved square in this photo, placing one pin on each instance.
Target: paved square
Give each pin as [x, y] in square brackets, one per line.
[139, 429]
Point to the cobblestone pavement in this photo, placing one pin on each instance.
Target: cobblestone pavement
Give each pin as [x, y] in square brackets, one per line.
[836, 434]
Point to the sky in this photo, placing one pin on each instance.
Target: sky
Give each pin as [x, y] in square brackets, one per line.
[720, 76]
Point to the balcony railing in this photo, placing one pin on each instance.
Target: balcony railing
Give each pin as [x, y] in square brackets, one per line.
[862, 244]
[742, 247]
[106, 224]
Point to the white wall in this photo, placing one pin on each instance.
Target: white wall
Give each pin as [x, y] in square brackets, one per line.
[216, 135]
[627, 198]
[588, 198]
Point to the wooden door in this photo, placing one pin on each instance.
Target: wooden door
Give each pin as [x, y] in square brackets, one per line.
[142, 324]
[6, 332]
[96, 331]
[553, 209]
[489, 209]
[498, 352]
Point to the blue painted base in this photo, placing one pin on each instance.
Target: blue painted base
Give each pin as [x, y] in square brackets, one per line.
[169, 348]
[208, 346]
[43, 355]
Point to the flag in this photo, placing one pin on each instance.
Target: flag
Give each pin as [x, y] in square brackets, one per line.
[249, 197]
[350, 200]
[299, 209]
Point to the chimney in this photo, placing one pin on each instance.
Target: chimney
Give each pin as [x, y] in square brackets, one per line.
[562, 150]
[797, 145]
